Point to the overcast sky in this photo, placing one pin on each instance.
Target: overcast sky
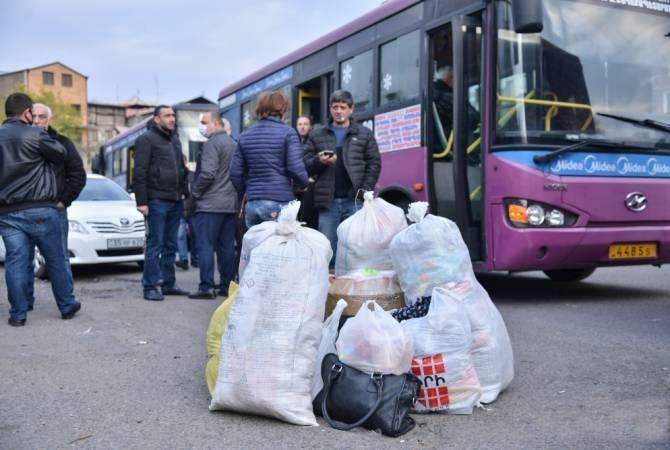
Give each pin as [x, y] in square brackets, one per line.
[164, 51]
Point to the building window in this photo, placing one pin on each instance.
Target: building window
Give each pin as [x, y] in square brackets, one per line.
[399, 70]
[76, 108]
[66, 80]
[356, 77]
[48, 78]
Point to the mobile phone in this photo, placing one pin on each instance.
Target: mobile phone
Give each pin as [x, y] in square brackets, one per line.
[328, 152]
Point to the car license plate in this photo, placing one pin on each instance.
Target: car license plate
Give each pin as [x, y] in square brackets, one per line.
[633, 251]
[125, 243]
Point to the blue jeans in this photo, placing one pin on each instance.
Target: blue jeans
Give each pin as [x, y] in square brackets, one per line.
[258, 211]
[215, 232]
[64, 229]
[21, 231]
[159, 255]
[182, 241]
[330, 219]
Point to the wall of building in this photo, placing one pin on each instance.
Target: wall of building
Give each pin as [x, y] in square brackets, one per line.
[76, 95]
[9, 81]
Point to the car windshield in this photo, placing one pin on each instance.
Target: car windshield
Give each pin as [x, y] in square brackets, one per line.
[98, 189]
[594, 60]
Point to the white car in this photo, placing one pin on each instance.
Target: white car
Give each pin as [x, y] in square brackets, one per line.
[105, 226]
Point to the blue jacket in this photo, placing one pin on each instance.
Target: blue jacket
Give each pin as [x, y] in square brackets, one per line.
[268, 162]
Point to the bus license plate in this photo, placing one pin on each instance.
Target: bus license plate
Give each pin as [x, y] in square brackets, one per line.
[632, 251]
[125, 243]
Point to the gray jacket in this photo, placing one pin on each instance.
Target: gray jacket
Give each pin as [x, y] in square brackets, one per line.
[212, 189]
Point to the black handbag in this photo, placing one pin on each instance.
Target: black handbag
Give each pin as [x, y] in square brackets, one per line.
[376, 402]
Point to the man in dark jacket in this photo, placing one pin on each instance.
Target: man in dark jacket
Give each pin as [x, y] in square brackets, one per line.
[344, 159]
[71, 178]
[159, 182]
[267, 164]
[28, 215]
[216, 208]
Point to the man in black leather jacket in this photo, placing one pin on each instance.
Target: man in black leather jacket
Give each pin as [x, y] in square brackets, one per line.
[159, 182]
[71, 177]
[28, 215]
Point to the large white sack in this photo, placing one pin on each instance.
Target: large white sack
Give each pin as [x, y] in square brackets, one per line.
[442, 361]
[363, 239]
[428, 253]
[374, 342]
[491, 348]
[273, 332]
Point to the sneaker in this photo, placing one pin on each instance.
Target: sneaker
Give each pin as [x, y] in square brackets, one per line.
[153, 295]
[222, 292]
[182, 264]
[70, 315]
[203, 295]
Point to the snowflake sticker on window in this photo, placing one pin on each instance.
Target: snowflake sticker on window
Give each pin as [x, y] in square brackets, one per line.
[387, 82]
[347, 74]
[247, 117]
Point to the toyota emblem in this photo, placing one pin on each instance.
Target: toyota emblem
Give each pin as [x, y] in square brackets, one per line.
[125, 222]
[636, 201]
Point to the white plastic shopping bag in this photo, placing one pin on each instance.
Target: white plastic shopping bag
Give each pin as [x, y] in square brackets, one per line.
[428, 253]
[363, 239]
[373, 341]
[327, 345]
[442, 360]
[273, 332]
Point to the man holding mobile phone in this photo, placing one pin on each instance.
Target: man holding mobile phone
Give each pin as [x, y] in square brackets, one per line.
[344, 159]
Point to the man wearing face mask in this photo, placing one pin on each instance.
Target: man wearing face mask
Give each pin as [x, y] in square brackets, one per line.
[216, 208]
[159, 182]
[28, 215]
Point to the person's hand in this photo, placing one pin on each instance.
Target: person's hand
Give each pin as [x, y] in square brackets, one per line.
[327, 158]
[144, 209]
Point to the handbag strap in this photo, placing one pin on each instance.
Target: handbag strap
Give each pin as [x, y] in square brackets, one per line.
[332, 376]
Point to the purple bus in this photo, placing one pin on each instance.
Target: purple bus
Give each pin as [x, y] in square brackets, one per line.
[542, 128]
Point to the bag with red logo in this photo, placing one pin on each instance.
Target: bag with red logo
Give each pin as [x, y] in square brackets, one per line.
[436, 394]
[442, 360]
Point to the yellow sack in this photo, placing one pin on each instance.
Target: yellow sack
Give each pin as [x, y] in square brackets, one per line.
[214, 334]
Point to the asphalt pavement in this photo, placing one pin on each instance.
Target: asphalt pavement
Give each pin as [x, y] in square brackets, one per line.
[592, 363]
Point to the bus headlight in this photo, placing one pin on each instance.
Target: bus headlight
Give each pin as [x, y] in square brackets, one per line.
[524, 213]
[535, 215]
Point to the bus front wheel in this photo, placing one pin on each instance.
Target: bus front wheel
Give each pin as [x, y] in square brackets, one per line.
[568, 275]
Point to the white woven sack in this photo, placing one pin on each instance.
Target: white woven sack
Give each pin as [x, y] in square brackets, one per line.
[428, 253]
[274, 329]
[363, 239]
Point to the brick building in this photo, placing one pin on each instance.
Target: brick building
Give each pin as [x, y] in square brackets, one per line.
[70, 85]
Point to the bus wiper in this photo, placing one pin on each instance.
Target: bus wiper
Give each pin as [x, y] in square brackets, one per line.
[540, 159]
[649, 123]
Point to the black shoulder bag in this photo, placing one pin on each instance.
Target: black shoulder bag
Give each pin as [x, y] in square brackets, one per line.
[355, 398]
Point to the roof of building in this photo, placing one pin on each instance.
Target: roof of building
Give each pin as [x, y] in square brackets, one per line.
[44, 65]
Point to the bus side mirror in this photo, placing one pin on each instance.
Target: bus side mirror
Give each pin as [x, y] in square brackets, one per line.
[527, 16]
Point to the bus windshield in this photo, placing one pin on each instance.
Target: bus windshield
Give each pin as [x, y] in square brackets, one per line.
[597, 70]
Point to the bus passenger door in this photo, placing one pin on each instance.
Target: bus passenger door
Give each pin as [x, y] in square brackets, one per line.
[453, 127]
[313, 99]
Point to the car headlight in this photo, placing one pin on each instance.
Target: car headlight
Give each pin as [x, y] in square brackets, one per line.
[524, 213]
[77, 227]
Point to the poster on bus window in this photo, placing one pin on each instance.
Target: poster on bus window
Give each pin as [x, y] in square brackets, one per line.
[399, 129]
